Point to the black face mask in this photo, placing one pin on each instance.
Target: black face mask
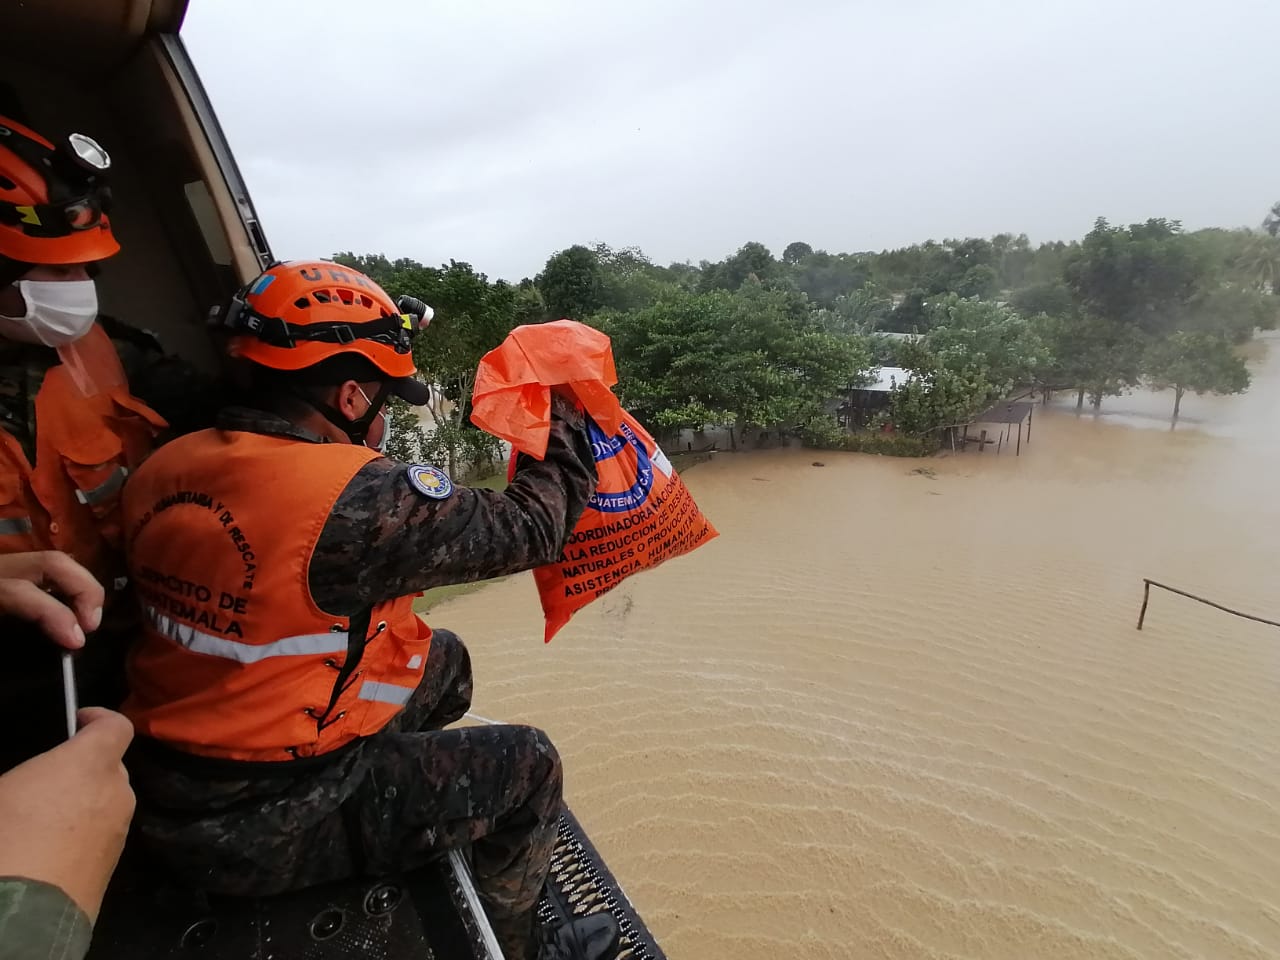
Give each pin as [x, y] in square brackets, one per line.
[357, 430]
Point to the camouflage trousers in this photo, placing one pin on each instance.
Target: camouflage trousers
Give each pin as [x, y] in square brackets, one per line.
[396, 801]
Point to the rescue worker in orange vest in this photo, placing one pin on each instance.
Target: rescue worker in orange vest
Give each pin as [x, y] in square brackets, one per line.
[288, 701]
[71, 428]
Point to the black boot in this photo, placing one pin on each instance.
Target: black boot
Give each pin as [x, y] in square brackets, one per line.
[587, 938]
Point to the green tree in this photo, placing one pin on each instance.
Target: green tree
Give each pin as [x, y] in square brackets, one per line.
[969, 267]
[796, 367]
[373, 265]
[751, 359]
[570, 284]
[975, 351]
[1098, 358]
[1015, 259]
[472, 316]
[1144, 275]
[825, 277]
[972, 252]
[675, 359]
[909, 314]
[684, 276]
[753, 342]
[796, 251]
[1271, 223]
[981, 337]
[1199, 362]
[861, 313]
[1232, 311]
[751, 260]
[529, 306]
[1259, 263]
[978, 281]
[934, 397]
[1048, 263]
[1131, 285]
[628, 278]
[408, 441]
[1052, 298]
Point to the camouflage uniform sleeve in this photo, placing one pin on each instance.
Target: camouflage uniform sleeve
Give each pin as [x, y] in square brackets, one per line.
[384, 539]
[180, 393]
[170, 386]
[39, 920]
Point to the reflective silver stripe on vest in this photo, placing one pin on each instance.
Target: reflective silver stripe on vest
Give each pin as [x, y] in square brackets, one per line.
[307, 644]
[15, 525]
[107, 488]
[385, 692]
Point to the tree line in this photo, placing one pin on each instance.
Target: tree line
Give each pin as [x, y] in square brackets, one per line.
[761, 343]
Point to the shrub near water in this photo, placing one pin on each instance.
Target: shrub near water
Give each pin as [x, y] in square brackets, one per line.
[891, 444]
[826, 434]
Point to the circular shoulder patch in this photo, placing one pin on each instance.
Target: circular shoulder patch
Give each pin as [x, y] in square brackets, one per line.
[430, 481]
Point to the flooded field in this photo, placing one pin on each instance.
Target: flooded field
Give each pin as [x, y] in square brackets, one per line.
[899, 709]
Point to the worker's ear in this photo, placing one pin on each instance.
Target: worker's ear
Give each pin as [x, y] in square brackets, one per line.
[349, 401]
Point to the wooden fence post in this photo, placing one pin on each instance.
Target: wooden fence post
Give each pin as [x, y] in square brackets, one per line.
[1191, 596]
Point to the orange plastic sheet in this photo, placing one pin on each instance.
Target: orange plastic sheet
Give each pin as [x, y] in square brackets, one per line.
[512, 395]
[641, 514]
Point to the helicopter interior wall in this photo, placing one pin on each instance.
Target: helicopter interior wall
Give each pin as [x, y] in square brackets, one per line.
[97, 31]
[167, 273]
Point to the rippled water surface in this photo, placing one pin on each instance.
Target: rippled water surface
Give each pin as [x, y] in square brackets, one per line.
[902, 714]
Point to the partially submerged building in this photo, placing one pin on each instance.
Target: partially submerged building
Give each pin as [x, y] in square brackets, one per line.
[861, 403]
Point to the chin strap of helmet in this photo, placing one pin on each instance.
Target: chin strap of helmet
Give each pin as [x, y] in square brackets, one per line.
[11, 271]
[357, 429]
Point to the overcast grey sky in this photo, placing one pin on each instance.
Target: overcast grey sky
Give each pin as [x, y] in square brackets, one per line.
[498, 132]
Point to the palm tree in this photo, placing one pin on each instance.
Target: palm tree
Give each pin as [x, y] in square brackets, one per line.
[1271, 223]
[1260, 261]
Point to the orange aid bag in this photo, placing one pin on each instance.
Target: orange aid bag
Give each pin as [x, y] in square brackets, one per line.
[641, 513]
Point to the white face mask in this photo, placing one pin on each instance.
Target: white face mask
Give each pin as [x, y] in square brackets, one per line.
[386, 434]
[386, 423]
[58, 312]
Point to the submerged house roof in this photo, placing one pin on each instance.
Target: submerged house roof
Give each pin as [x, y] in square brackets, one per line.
[1006, 411]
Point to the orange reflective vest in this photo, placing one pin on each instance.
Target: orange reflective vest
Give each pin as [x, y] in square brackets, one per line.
[236, 660]
[90, 433]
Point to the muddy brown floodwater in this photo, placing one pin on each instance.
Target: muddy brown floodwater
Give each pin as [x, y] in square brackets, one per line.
[900, 709]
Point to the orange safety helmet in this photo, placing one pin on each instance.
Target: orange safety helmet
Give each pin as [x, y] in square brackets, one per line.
[53, 201]
[301, 313]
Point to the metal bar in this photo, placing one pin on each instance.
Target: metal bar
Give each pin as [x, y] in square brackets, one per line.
[462, 874]
[69, 692]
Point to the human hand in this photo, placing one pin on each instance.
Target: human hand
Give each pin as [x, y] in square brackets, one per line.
[64, 814]
[25, 582]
